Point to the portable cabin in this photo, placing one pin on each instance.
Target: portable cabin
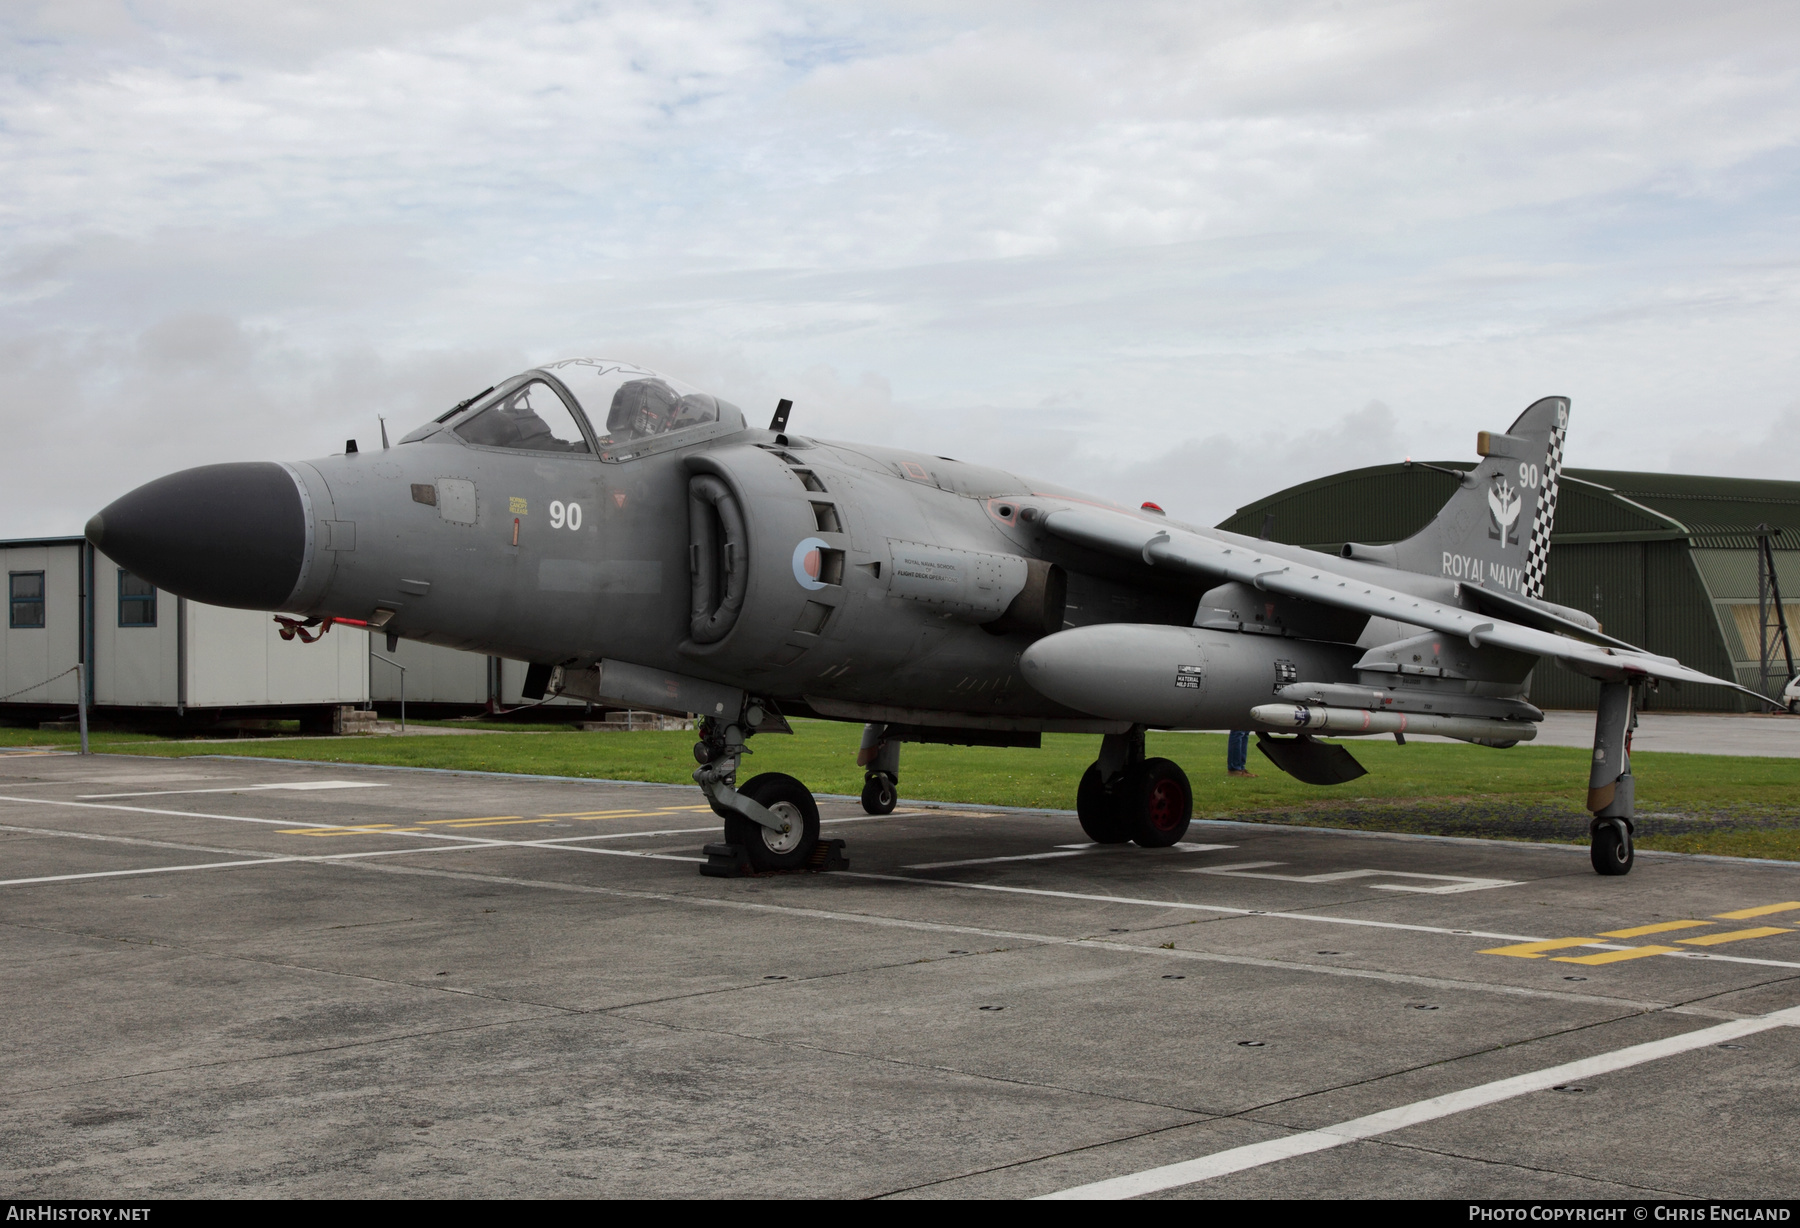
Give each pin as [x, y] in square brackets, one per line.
[151, 652]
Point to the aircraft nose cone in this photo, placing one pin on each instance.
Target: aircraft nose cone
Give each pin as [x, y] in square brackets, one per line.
[230, 535]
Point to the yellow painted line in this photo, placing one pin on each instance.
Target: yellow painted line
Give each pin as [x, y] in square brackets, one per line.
[1744, 914]
[678, 809]
[1535, 950]
[492, 818]
[600, 814]
[336, 831]
[495, 823]
[1612, 957]
[1713, 940]
[1661, 927]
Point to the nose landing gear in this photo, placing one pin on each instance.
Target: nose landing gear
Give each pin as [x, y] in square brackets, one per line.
[772, 823]
[1126, 797]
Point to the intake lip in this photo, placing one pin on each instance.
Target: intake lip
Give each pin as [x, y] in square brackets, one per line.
[228, 535]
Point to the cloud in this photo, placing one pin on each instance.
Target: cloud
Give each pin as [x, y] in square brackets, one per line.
[1743, 450]
[1163, 250]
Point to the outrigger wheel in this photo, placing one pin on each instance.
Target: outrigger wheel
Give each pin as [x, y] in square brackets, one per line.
[787, 799]
[879, 794]
[1150, 803]
[1611, 851]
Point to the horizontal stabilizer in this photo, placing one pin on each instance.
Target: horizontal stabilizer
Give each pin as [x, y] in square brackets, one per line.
[1541, 616]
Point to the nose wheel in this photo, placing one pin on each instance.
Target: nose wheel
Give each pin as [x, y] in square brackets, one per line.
[789, 847]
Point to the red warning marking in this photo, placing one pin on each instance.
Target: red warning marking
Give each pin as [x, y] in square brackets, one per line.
[619, 497]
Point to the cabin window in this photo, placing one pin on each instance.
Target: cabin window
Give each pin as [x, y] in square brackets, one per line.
[531, 417]
[26, 591]
[137, 601]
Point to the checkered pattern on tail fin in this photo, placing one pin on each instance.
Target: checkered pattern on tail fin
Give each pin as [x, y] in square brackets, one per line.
[1537, 551]
[1494, 529]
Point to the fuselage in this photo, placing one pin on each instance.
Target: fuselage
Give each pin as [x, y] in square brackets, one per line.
[869, 583]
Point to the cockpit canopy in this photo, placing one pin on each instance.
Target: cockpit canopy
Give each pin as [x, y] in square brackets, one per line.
[617, 410]
[529, 416]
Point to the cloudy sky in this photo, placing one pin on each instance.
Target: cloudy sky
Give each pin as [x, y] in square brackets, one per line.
[1190, 252]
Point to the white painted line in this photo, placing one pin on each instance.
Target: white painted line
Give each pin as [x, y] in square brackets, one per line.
[305, 785]
[1455, 884]
[860, 918]
[1255, 1155]
[251, 861]
[567, 842]
[573, 841]
[987, 861]
[240, 818]
[1182, 905]
[69, 878]
[1014, 936]
[1226, 910]
[576, 848]
[1072, 850]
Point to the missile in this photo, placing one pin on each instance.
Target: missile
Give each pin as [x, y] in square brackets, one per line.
[1302, 718]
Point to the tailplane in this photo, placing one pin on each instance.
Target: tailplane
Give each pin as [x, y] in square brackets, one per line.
[1495, 530]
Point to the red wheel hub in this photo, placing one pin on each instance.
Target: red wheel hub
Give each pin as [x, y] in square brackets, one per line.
[1163, 805]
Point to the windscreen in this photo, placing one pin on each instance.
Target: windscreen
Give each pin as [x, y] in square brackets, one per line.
[531, 417]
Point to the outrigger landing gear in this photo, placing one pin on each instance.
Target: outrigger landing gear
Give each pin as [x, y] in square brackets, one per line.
[1610, 786]
[1124, 796]
[772, 823]
[880, 756]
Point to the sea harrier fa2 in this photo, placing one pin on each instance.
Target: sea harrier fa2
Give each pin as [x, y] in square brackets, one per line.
[642, 546]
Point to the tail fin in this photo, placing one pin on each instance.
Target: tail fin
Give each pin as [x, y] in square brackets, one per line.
[1495, 530]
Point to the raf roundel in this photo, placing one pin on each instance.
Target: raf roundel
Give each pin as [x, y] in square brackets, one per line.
[807, 561]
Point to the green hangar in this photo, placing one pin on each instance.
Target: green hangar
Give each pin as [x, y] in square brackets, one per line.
[1669, 562]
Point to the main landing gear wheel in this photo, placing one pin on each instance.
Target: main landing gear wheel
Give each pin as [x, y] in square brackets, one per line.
[790, 802]
[1612, 852]
[1162, 804]
[879, 794]
[1100, 809]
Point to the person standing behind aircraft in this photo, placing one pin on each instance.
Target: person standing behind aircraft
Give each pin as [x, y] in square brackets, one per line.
[1238, 753]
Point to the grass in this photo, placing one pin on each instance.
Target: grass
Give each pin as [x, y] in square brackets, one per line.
[1730, 805]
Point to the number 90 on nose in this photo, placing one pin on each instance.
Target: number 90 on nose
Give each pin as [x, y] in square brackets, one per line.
[565, 515]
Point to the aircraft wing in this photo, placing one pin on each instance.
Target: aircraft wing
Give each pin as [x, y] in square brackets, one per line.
[1181, 550]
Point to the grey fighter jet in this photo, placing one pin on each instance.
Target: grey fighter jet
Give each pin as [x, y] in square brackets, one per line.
[642, 545]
